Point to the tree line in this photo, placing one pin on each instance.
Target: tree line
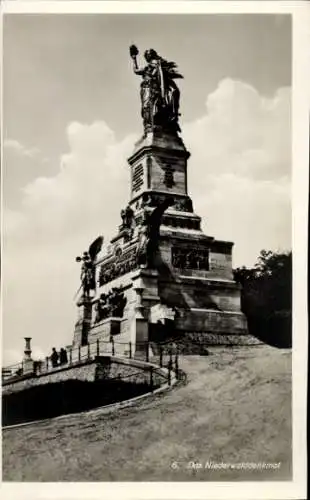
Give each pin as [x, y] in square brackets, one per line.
[266, 297]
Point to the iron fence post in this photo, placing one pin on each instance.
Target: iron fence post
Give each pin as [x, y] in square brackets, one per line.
[46, 360]
[169, 374]
[147, 352]
[113, 346]
[160, 356]
[176, 363]
[151, 379]
[170, 358]
[130, 350]
[98, 347]
[70, 356]
[79, 353]
[88, 350]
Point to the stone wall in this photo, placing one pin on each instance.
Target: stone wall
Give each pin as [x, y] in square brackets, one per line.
[105, 329]
[160, 179]
[103, 367]
[81, 371]
[188, 292]
[212, 322]
[220, 265]
[199, 342]
[206, 339]
[132, 371]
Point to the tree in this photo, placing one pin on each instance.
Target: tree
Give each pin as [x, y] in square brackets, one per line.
[266, 297]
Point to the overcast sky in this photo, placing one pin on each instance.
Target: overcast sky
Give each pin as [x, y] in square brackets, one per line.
[72, 114]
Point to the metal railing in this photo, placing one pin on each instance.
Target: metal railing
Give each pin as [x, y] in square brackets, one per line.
[163, 358]
[12, 370]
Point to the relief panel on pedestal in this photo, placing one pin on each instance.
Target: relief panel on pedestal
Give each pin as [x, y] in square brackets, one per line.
[190, 257]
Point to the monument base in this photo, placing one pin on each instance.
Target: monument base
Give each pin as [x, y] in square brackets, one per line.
[105, 329]
[184, 283]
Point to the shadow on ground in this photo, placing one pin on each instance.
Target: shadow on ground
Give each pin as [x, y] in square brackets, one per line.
[72, 396]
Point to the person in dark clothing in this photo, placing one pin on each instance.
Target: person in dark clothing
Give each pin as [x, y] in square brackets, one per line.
[54, 358]
[63, 357]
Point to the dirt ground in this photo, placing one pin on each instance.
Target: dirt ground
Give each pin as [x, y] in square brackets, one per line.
[230, 420]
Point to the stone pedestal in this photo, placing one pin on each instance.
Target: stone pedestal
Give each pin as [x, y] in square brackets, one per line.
[105, 329]
[28, 364]
[83, 324]
[159, 163]
[141, 332]
[139, 326]
[145, 285]
[190, 288]
[147, 280]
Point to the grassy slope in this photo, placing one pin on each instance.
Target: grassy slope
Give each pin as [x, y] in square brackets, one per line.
[235, 407]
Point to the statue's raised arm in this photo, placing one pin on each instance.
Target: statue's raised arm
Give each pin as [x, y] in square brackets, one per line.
[133, 50]
[159, 93]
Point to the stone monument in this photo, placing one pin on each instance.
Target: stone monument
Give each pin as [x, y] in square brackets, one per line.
[27, 360]
[160, 277]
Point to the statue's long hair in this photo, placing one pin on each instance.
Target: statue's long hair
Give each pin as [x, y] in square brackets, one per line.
[168, 67]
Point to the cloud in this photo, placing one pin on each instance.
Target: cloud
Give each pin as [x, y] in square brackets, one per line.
[239, 179]
[240, 169]
[81, 197]
[242, 133]
[59, 217]
[20, 149]
[20, 165]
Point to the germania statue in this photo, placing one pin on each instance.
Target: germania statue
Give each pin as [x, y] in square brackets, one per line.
[160, 96]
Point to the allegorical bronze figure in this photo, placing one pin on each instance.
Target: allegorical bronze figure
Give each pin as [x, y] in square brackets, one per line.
[88, 280]
[160, 96]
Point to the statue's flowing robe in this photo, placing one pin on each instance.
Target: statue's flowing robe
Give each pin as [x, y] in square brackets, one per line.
[159, 94]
